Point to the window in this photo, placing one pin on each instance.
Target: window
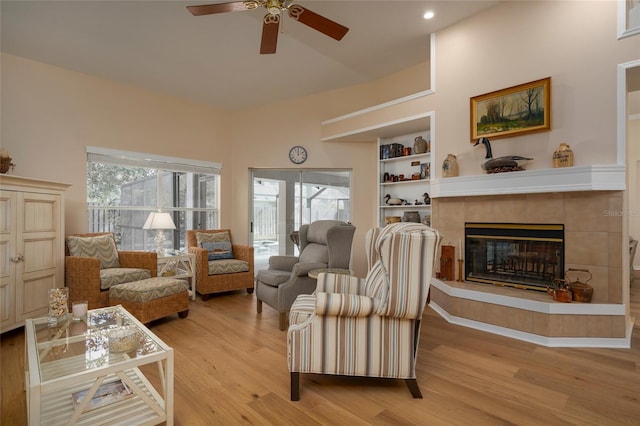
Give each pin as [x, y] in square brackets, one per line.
[124, 187]
[284, 199]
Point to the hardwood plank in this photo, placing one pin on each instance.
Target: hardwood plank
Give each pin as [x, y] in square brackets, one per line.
[231, 368]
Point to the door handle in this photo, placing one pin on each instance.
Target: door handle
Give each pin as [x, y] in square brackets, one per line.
[16, 259]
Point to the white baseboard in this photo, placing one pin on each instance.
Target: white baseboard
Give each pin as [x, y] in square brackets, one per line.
[566, 342]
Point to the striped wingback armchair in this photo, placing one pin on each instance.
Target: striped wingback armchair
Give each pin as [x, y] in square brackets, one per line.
[367, 327]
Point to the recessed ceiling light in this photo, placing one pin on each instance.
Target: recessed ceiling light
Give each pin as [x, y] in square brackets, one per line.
[428, 14]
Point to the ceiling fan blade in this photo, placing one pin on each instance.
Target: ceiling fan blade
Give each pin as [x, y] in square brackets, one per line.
[209, 9]
[317, 22]
[269, 34]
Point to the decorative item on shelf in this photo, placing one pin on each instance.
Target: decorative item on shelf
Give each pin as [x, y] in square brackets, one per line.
[406, 151]
[425, 169]
[460, 262]
[507, 163]
[447, 259]
[391, 219]
[385, 151]
[5, 162]
[426, 220]
[580, 291]
[412, 216]
[427, 199]
[391, 150]
[563, 156]
[420, 146]
[415, 176]
[58, 305]
[387, 177]
[450, 166]
[394, 201]
[561, 292]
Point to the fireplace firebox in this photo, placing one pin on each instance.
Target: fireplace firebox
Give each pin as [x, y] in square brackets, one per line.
[520, 255]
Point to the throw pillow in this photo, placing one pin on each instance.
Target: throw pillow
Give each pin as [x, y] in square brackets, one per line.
[102, 246]
[217, 244]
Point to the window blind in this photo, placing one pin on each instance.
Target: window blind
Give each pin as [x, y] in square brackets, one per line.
[151, 161]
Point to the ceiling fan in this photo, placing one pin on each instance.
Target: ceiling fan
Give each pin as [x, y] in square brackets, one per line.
[271, 21]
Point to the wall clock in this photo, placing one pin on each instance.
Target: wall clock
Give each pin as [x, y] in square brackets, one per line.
[298, 154]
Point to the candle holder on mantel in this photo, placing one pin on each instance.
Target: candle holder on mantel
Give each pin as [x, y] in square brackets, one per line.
[460, 276]
[447, 260]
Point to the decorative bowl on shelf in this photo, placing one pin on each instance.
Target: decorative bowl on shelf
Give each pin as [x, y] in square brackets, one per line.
[392, 219]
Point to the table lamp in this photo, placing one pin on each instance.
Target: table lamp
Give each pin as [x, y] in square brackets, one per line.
[159, 221]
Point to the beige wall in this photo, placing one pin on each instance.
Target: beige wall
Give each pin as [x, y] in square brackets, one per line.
[50, 115]
[516, 42]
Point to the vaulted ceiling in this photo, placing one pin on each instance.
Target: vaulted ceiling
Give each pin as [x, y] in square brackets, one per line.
[215, 59]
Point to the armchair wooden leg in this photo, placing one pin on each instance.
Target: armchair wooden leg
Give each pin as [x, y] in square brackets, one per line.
[282, 321]
[295, 386]
[259, 306]
[412, 384]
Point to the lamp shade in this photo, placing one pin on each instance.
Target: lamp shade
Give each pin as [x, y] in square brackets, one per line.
[159, 220]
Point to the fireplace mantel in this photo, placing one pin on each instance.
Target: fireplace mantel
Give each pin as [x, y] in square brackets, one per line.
[578, 196]
[578, 178]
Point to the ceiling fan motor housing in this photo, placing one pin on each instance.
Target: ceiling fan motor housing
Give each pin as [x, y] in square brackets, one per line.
[274, 7]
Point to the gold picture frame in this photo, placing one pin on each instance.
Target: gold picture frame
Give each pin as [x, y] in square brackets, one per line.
[514, 111]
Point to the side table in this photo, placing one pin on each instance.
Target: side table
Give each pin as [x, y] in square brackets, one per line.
[179, 266]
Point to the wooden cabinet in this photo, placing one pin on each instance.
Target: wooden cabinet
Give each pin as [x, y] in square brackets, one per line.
[405, 178]
[31, 247]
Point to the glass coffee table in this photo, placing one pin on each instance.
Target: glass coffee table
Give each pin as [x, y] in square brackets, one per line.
[87, 372]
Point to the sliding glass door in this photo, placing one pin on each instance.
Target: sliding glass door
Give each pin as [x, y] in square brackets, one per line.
[284, 199]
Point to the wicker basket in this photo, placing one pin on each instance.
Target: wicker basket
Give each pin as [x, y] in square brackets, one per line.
[5, 164]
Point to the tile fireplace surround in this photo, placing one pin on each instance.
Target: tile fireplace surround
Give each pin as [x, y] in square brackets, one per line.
[593, 240]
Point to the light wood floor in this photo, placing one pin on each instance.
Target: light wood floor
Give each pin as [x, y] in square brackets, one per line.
[231, 369]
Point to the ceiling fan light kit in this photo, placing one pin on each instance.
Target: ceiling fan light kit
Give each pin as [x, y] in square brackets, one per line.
[271, 21]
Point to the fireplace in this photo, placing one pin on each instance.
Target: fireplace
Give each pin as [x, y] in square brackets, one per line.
[520, 255]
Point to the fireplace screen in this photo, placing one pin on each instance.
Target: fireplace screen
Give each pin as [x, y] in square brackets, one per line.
[528, 256]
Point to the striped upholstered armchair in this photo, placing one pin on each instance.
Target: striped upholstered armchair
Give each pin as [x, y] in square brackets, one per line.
[367, 327]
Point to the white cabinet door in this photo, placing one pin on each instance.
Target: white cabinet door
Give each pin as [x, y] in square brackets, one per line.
[38, 242]
[7, 251]
[31, 247]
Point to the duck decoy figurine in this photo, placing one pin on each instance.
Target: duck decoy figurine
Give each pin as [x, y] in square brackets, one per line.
[394, 201]
[507, 163]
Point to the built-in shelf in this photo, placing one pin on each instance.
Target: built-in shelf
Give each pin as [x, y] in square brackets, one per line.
[407, 157]
[407, 206]
[405, 182]
[567, 179]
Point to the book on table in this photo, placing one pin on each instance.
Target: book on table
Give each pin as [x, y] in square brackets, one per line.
[107, 393]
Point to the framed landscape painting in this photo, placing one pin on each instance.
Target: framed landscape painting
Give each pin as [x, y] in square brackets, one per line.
[525, 108]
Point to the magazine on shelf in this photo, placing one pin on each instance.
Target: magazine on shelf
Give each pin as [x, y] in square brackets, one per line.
[107, 393]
